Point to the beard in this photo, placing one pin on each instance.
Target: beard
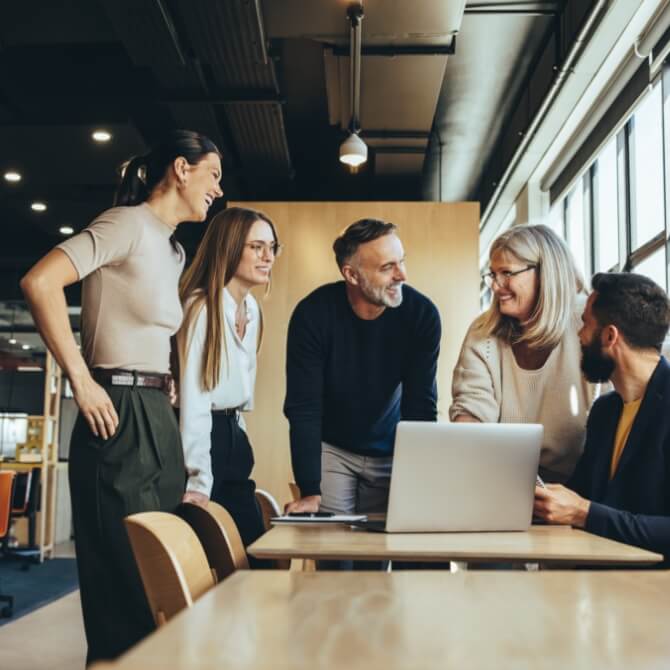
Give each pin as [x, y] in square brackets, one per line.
[596, 365]
[378, 295]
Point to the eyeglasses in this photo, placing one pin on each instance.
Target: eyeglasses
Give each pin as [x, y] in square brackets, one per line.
[272, 248]
[503, 278]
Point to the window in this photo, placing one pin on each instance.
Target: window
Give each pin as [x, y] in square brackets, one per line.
[654, 267]
[615, 215]
[556, 219]
[605, 205]
[575, 225]
[646, 169]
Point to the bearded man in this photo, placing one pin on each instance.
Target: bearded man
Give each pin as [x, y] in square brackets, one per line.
[621, 486]
[361, 355]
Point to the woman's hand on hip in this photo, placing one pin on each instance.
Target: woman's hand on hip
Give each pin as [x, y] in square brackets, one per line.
[96, 406]
[195, 498]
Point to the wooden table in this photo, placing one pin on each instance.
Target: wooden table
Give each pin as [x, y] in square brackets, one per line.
[547, 544]
[271, 620]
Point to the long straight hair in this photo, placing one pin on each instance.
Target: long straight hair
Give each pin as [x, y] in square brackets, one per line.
[141, 174]
[215, 264]
[559, 282]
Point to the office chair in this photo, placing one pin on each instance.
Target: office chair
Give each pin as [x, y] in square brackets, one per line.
[7, 479]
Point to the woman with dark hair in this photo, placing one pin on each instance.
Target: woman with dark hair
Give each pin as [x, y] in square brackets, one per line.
[217, 343]
[125, 454]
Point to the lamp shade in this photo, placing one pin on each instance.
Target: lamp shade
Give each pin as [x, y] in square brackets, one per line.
[353, 151]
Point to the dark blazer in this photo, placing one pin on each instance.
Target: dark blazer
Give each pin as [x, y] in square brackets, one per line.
[634, 507]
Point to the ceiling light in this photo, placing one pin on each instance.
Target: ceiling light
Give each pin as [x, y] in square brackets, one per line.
[38, 207]
[25, 347]
[12, 340]
[66, 230]
[12, 177]
[101, 136]
[353, 151]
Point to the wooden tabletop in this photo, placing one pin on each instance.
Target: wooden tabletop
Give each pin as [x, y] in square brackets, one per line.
[547, 544]
[418, 619]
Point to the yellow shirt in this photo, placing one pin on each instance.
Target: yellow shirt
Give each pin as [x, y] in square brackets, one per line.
[628, 414]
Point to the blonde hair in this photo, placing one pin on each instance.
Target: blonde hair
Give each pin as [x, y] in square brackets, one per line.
[559, 282]
[215, 264]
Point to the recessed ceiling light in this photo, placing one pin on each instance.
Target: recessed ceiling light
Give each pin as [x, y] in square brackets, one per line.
[66, 230]
[101, 136]
[12, 340]
[12, 176]
[38, 207]
[25, 347]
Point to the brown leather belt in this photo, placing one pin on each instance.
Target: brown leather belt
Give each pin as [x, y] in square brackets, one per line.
[117, 377]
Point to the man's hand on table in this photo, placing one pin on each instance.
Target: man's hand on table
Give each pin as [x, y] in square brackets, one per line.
[306, 504]
[559, 505]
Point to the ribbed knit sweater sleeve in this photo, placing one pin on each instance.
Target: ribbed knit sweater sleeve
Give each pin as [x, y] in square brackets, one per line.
[304, 397]
[419, 393]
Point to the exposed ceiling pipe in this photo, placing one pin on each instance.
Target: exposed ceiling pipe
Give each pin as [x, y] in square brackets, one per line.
[355, 14]
[563, 71]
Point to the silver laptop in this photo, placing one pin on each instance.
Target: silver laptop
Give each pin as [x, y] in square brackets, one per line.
[463, 477]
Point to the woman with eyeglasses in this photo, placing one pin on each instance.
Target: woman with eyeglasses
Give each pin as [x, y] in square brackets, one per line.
[520, 361]
[218, 342]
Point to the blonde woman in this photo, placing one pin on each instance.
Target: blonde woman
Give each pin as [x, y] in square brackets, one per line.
[520, 361]
[217, 344]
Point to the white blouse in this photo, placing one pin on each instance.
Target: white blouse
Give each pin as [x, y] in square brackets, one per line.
[235, 388]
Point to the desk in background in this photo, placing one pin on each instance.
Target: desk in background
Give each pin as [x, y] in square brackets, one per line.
[504, 620]
[552, 545]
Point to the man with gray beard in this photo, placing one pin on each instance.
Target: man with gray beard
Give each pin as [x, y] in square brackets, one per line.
[361, 355]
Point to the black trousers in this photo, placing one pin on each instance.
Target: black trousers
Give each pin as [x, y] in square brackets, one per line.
[232, 463]
[139, 469]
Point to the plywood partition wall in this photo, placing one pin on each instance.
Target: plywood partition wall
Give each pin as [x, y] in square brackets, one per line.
[442, 247]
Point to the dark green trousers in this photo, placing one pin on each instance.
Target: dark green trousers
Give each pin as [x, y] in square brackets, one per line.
[139, 469]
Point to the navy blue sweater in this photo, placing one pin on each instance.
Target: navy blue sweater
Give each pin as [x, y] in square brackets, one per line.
[350, 380]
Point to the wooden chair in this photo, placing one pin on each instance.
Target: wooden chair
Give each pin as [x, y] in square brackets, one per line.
[269, 508]
[7, 478]
[218, 536]
[171, 562]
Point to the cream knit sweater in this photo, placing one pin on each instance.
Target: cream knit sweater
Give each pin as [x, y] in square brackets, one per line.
[489, 384]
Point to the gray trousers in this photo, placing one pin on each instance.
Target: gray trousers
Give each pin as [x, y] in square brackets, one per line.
[353, 484]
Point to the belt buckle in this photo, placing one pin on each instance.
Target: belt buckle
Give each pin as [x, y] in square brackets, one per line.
[121, 380]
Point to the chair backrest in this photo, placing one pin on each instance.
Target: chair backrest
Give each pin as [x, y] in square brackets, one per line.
[269, 508]
[171, 562]
[22, 489]
[6, 495]
[268, 505]
[218, 535]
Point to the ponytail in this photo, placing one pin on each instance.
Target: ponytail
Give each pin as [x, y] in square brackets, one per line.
[143, 173]
[133, 189]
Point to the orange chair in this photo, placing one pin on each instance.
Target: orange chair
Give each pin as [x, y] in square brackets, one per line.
[7, 478]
